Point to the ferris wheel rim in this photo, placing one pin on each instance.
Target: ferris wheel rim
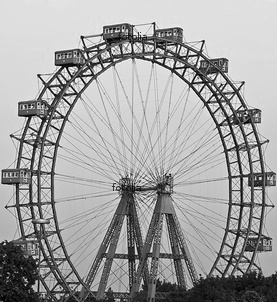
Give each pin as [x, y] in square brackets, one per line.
[108, 48]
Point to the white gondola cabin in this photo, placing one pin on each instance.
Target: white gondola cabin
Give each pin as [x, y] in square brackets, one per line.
[248, 116]
[32, 108]
[174, 34]
[69, 58]
[16, 176]
[116, 32]
[258, 179]
[214, 65]
[28, 248]
[264, 245]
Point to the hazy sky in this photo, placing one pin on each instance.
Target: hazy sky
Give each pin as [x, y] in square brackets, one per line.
[244, 31]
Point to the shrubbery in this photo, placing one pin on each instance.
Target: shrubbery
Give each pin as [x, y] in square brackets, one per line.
[18, 275]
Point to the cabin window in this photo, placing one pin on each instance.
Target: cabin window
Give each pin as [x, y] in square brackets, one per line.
[124, 30]
[24, 174]
[10, 174]
[204, 64]
[40, 105]
[256, 178]
[23, 247]
[271, 179]
[27, 106]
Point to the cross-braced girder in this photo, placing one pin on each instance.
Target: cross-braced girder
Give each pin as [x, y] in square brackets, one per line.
[126, 209]
[164, 209]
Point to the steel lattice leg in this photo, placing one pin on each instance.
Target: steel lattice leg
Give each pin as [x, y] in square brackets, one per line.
[179, 249]
[126, 208]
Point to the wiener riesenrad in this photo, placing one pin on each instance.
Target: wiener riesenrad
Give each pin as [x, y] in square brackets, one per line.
[146, 162]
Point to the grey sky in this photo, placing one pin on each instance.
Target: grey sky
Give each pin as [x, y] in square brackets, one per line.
[243, 31]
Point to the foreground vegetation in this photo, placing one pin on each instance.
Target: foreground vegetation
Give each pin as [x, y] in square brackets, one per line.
[18, 275]
[252, 287]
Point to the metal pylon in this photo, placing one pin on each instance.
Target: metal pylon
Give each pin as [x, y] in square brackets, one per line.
[126, 208]
[179, 249]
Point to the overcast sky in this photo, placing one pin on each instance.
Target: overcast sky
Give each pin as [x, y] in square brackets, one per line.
[244, 31]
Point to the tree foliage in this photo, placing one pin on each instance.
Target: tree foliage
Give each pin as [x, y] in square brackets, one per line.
[251, 287]
[18, 274]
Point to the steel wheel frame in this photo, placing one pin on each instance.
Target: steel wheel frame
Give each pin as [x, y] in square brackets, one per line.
[39, 144]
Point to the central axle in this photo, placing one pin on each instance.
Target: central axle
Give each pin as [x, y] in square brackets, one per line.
[127, 184]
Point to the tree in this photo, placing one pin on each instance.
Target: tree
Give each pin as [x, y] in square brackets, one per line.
[18, 274]
[250, 287]
[252, 296]
[110, 297]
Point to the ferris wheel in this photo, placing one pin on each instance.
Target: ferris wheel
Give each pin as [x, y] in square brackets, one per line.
[145, 159]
